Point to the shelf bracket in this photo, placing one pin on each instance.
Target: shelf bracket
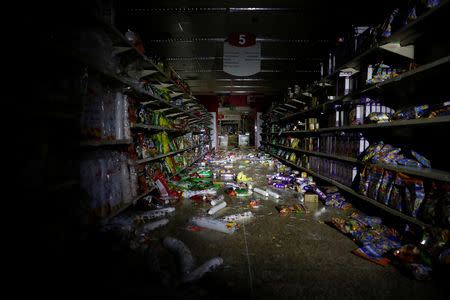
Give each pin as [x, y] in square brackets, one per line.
[118, 49]
[407, 51]
[163, 85]
[141, 74]
[292, 106]
[174, 95]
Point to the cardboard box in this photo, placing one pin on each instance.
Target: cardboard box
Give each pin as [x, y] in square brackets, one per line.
[311, 197]
[312, 206]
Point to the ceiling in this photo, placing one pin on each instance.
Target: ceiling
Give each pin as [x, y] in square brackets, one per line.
[295, 36]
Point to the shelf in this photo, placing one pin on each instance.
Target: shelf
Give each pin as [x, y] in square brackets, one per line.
[326, 155]
[151, 69]
[130, 89]
[404, 36]
[355, 194]
[433, 70]
[321, 107]
[420, 172]
[106, 143]
[158, 128]
[427, 21]
[445, 120]
[428, 173]
[164, 155]
[135, 199]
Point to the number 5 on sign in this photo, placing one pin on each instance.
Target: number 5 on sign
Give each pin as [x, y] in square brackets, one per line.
[242, 39]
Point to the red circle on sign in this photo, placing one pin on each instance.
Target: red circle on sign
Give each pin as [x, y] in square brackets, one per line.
[242, 39]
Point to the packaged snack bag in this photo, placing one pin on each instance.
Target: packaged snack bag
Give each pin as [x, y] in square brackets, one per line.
[409, 162]
[385, 187]
[398, 192]
[422, 160]
[414, 196]
[375, 180]
[385, 153]
[364, 180]
[371, 151]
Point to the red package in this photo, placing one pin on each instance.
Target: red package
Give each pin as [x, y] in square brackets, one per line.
[161, 184]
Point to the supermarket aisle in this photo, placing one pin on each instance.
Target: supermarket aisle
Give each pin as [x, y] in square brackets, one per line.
[270, 255]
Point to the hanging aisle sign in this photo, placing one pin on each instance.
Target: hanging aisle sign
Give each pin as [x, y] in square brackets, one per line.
[241, 54]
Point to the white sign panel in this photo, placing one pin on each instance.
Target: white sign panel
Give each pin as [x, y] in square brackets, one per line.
[241, 61]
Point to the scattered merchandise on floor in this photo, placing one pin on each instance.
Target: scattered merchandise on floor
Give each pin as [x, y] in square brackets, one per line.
[223, 199]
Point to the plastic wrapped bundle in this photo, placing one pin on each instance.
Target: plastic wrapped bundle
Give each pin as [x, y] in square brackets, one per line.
[238, 217]
[214, 224]
[208, 192]
[153, 214]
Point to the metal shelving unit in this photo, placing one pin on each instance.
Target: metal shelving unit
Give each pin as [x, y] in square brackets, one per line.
[150, 190]
[350, 191]
[428, 173]
[427, 79]
[141, 161]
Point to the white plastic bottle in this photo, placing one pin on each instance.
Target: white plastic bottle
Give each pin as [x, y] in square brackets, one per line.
[217, 207]
[211, 223]
[260, 191]
[273, 194]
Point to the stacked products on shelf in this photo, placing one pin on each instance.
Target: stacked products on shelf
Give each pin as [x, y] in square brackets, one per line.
[404, 193]
[166, 167]
[108, 181]
[340, 171]
[346, 144]
[104, 114]
[361, 38]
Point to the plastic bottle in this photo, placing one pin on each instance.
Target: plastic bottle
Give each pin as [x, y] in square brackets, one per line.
[183, 254]
[188, 194]
[208, 266]
[218, 200]
[125, 179]
[153, 214]
[260, 191]
[156, 224]
[217, 207]
[211, 223]
[118, 119]
[301, 197]
[273, 194]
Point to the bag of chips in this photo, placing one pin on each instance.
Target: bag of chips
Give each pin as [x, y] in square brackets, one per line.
[371, 151]
[422, 160]
[398, 192]
[386, 187]
[413, 196]
[364, 180]
[374, 182]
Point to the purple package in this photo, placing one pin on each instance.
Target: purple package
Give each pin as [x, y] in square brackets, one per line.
[320, 193]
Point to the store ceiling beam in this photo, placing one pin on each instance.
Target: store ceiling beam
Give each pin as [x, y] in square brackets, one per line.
[224, 39]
